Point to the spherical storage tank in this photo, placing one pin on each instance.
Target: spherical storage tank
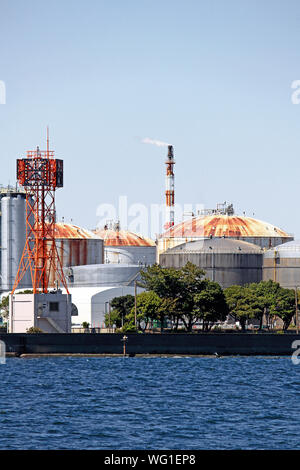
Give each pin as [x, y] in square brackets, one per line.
[247, 229]
[122, 246]
[282, 264]
[228, 262]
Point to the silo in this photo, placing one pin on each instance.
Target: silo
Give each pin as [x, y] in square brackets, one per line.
[13, 236]
[282, 264]
[228, 262]
[125, 247]
[76, 246]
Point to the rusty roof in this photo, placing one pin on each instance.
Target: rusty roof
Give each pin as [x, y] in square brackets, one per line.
[123, 238]
[64, 230]
[224, 225]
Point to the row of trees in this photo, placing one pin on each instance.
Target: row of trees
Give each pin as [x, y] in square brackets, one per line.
[185, 297]
[266, 299]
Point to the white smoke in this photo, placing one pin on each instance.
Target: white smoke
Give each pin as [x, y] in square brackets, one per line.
[158, 143]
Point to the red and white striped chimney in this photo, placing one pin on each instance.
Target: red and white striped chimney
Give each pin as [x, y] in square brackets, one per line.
[170, 193]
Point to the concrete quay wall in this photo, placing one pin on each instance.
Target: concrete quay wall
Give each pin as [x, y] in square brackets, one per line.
[160, 344]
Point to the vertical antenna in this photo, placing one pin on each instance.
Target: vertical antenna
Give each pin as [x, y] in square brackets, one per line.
[47, 141]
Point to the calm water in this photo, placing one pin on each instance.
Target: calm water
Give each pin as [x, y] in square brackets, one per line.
[150, 403]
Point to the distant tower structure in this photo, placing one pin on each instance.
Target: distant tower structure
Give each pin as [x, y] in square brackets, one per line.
[170, 193]
[40, 174]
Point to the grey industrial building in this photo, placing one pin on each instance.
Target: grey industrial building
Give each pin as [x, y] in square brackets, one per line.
[282, 264]
[225, 261]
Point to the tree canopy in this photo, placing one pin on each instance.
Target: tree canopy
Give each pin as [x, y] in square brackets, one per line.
[185, 297]
[258, 300]
[120, 308]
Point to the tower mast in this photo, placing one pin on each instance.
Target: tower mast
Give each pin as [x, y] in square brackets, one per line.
[40, 174]
[170, 188]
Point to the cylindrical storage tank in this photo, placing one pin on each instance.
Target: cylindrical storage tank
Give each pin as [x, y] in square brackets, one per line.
[282, 264]
[122, 246]
[76, 246]
[13, 236]
[228, 262]
[99, 275]
[247, 229]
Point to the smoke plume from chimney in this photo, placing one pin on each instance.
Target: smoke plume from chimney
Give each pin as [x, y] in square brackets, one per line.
[158, 143]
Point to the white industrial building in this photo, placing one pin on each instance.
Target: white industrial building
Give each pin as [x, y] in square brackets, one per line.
[93, 303]
[50, 312]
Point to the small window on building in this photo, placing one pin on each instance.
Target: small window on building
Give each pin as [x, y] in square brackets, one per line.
[53, 306]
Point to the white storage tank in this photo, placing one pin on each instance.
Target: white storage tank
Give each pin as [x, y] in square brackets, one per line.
[124, 247]
[13, 236]
[76, 246]
[282, 264]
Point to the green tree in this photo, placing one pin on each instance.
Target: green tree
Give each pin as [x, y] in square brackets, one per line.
[129, 327]
[210, 305]
[147, 307]
[176, 288]
[121, 307]
[151, 307]
[191, 284]
[4, 307]
[165, 283]
[284, 306]
[242, 304]
[258, 300]
[265, 294]
[274, 300]
[186, 295]
[34, 329]
[162, 281]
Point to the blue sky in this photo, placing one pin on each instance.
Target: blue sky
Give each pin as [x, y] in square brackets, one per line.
[211, 77]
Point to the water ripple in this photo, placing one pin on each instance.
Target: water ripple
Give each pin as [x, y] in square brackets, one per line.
[149, 403]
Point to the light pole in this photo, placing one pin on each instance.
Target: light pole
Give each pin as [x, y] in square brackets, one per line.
[107, 310]
[135, 315]
[124, 339]
[109, 316]
[212, 264]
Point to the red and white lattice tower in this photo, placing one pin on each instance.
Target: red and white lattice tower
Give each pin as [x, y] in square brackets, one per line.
[40, 174]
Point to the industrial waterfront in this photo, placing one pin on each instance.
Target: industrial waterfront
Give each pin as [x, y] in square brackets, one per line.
[149, 230]
[71, 274]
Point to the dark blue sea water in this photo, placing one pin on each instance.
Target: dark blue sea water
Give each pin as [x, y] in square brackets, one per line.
[150, 403]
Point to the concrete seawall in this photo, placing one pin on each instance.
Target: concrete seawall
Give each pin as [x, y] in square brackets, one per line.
[168, 343]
